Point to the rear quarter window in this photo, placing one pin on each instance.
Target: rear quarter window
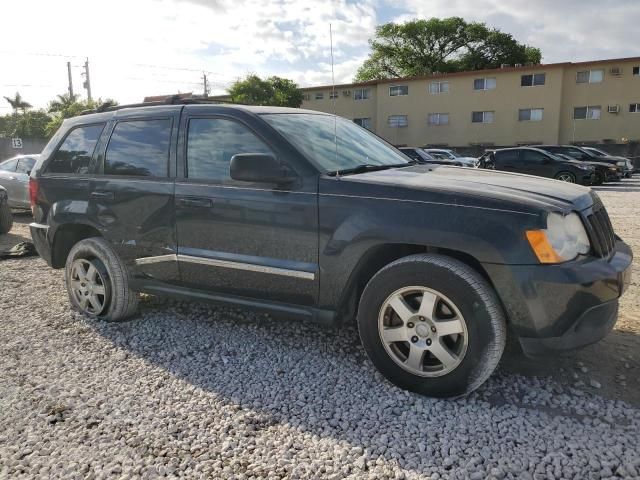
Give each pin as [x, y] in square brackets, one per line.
[75, 152]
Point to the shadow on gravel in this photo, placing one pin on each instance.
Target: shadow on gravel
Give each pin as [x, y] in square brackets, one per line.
[319, 381]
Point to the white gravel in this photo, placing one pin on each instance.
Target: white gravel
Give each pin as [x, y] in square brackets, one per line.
[199, 391]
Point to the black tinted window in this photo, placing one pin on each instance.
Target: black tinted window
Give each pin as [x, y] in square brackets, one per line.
[211, 144]
[9, 165]
[533, 156]
[76, 151]
[139, 147]
[507, 156]
[409, 152]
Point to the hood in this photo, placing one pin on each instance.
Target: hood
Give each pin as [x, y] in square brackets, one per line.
[465, 185]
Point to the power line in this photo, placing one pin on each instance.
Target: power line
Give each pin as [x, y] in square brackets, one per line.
[40, 54]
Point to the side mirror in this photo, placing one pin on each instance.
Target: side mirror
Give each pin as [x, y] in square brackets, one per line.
[261, 168]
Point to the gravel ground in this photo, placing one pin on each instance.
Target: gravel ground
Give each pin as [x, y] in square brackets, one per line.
[200, 391]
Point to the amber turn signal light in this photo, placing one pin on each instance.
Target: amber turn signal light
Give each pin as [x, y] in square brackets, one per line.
[541, 247]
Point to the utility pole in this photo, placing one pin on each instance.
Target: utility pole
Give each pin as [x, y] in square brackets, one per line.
[206, 86]
[70, 80]
[87, 80]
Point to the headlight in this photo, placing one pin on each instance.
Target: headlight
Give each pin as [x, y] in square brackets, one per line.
[621, 164]
[585, 167]
[564, 239]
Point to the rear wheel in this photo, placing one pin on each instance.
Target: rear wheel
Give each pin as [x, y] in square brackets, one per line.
[433, 325]
[6, 218]
[566, 177]
[97, 281]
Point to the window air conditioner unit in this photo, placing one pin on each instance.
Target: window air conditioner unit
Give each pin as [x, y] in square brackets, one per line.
[613, 109]
[615, 71]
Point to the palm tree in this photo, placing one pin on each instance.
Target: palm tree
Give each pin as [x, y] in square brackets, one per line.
[62, 102]
[17, 103]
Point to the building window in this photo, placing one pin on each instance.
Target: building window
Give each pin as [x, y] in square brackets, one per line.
[438, 87]
[398, 90]
[333, 95]
[530, 114]
[636, 71]
[484, 84]
[483, 117]
[533, 80]
[362, 94]
[634, 108]
[586, 113]
[590, 76]
[438, 119]
[306, 97]
[397, 121]
[363, 122]
[319, 96]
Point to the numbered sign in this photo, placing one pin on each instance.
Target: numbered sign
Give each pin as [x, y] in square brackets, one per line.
[16, 142]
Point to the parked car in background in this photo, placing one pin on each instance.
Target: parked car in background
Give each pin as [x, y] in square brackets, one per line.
[602, 170]
[629, 169]
[6, 218]
[309, 215]
[582, 155]
[421, 156]
[14, 176]
[445, 153]
[541, 163]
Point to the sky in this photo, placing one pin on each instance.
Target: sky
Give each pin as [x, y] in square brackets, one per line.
[152, 47]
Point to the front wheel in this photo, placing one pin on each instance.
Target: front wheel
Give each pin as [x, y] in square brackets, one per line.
[98, 282]
[433, 325]
[566, 177]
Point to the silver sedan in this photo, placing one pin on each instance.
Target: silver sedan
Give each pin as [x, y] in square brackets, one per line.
[14, 176]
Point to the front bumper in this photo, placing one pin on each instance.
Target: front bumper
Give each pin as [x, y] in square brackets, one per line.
[566, 306]
[587, 179]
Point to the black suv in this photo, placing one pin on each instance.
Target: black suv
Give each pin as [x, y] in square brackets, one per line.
[307, 214]
[534, 161]
[617, 165]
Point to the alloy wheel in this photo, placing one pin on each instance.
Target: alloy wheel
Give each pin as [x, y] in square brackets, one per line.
[88, 286]
[566, 177]
[423, 331]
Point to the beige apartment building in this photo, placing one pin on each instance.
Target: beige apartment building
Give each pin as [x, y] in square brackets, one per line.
[590, 102]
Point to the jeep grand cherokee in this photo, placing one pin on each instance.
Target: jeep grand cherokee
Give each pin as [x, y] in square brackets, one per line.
[310, 215]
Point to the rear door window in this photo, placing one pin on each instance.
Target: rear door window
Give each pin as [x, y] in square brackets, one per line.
[532, 156]
[506, 157]
[76, 151]
[139, 148]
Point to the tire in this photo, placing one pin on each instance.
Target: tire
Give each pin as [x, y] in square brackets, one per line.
[566, 177]
[600, 178]
[106, 281]
[6, 218]
[454, 284]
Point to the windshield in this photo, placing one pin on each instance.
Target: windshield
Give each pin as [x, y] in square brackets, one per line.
[314, 136]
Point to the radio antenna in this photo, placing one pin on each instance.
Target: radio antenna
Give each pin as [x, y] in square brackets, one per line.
[333, 100]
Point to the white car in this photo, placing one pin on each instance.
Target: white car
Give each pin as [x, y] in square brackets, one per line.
[14, 176]
[452, 155]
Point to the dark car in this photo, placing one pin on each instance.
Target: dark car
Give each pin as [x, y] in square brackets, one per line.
[583, 155]
[306, 214]
[602, 170]
[533, 161]
[628, 168]
[6, 217]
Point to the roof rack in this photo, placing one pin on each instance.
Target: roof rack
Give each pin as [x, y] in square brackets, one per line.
[172, 100]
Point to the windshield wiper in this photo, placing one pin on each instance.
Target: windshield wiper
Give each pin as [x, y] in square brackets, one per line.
[367, 167]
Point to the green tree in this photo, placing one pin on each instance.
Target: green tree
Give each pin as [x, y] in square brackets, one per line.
[18, 103]
[65, 106]
[422, 47]
[274, 91]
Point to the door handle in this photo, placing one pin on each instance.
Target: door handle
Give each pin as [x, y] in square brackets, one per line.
[103, 195]
[196, 202]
